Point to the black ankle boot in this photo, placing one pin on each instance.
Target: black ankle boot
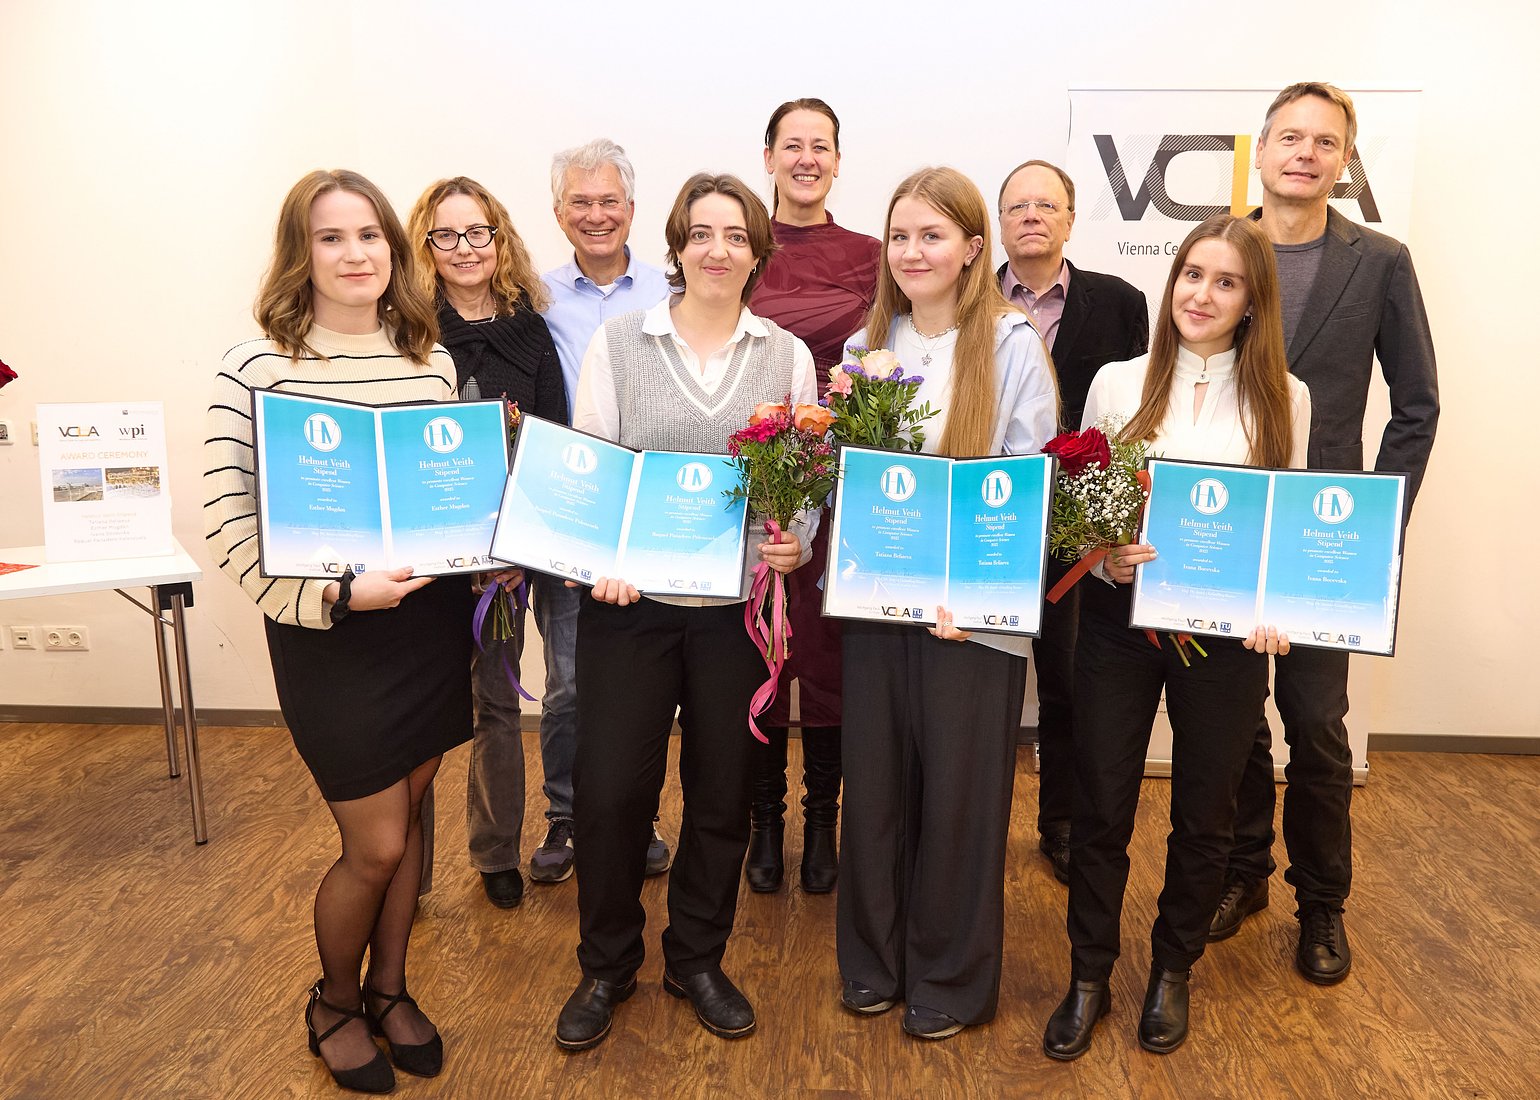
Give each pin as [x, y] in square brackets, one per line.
[1163, 1023]
[765, 867]
[820, 808]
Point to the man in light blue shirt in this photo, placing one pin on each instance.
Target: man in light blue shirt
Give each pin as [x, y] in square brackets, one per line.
[593, 188]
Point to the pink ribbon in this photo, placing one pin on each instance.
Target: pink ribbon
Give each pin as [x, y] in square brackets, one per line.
[773, 638]
[483, 607]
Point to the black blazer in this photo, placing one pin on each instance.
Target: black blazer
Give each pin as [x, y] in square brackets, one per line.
[1366, 302]
[1105, 321]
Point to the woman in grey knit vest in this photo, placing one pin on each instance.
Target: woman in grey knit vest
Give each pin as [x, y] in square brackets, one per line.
[682, 376]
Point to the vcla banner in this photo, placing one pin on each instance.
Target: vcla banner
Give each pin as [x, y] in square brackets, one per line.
[1149, 165]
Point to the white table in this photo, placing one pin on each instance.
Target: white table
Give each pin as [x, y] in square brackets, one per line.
[169, 580]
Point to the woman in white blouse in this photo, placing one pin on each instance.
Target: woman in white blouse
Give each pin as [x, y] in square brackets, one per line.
[1215, 387]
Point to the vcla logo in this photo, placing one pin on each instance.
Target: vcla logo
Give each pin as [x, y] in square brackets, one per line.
[694, 477]
[1154, 192]
[443, 435]
[898, 483]
[322, 432]
[1209, 496]
[1332, 504]
[579, 458]
[997, 488]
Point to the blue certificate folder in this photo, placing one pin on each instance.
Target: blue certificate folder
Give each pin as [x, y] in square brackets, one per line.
[343, 485]
[581, 507]
[912, 532]
[1316, 553]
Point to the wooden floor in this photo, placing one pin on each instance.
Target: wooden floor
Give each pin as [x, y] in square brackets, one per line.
[138, 965]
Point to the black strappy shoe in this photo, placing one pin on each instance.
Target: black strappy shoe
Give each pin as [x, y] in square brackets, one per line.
[373, 1076]
[419, 1059]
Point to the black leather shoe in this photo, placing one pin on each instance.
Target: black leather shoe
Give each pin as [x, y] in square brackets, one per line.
[927, 1023]
[820, 860]
[505, 889]
[1242, 897]
[1055, 846]
[1068, 1034]
[1323, 955]
[585, 1018]
[721, 1009]
[765, 867]
[1163, 1023]
[865, 1000]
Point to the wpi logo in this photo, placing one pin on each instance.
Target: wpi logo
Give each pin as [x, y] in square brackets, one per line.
[997, 488]
[694, 477]
[1332, 504]
[579, 458]
[443, 435]
[322, 432]
[898, 483]
[1152, 191]
[1209, 496]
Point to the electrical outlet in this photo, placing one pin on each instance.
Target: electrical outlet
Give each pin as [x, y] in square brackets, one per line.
[73, 639]
[23, 637]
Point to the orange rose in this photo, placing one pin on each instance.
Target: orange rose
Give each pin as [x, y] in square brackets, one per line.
[767, 410]
[812, 418]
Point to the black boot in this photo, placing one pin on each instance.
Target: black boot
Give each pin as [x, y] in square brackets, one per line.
[1163, 1023]
[820, 808]
[765, 867]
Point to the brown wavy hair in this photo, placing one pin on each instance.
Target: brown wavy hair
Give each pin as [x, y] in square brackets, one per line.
[1261, 364]
[756, 219]
[970, 418]
[515, 282]
[285, 307]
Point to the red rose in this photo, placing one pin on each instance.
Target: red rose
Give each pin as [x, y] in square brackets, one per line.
[6, 375]
[1077, 450]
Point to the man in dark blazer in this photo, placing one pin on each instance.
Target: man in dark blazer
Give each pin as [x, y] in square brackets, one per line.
[1348, 294]
[1087, 320]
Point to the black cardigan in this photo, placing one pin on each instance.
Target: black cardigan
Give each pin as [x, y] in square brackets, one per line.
[512, 357]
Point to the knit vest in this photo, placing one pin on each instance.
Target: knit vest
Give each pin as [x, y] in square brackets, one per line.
[661, 402]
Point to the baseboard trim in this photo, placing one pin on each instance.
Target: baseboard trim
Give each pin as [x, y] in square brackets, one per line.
[1495, 743]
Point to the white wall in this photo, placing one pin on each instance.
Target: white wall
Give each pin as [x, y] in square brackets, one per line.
[144, 150]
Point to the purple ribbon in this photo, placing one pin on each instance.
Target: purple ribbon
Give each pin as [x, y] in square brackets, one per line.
[520, 600]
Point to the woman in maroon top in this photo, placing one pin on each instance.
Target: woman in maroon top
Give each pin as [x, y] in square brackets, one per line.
[819, 286]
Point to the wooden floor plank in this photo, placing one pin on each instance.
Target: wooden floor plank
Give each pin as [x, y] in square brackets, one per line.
[139, 965]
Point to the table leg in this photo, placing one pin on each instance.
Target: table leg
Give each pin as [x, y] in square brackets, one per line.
[166, 701]
[189, 718]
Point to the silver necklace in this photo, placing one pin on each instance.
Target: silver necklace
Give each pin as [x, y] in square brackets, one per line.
[935, 341]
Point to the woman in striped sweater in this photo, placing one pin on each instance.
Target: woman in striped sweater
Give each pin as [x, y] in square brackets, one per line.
[371, 707]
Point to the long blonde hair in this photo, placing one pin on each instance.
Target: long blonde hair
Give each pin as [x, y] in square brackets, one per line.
[970, 418]
[515, 282]
[285, 306]
[1261, 364]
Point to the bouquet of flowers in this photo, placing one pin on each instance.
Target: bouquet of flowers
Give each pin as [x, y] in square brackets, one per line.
[873, 402]
[1097, 502]
[497, 603]
[786, 465]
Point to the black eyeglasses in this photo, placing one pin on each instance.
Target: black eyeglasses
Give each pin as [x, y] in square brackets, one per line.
[447, 240]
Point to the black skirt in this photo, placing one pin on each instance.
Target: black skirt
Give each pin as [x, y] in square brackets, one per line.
[380, 692]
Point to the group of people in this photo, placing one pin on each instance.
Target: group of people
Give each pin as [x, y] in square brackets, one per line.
[1259, 354]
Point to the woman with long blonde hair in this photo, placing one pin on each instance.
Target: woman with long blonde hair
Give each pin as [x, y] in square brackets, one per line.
[930, 754]
[1215, 387]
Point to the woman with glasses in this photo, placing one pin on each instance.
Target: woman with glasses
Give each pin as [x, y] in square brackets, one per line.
[681, 376]
[930, 752]
[474, 266]
[370, 669]
[818, 286]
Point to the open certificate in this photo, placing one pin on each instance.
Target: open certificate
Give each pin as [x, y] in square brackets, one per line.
[912, 532]
[343, 485]
[581, 507]
[1315, 553]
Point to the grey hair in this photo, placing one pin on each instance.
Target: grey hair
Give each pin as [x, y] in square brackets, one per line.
[588, 158]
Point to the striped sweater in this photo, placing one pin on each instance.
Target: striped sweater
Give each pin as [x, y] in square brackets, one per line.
[367, 369]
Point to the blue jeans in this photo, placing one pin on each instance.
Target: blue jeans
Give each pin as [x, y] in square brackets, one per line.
[556, 613]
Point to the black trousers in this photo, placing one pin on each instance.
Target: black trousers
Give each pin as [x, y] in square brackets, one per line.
[930, 758]
[1213, 704]
[1310, 686]
[634, 665]
[1053, 654]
